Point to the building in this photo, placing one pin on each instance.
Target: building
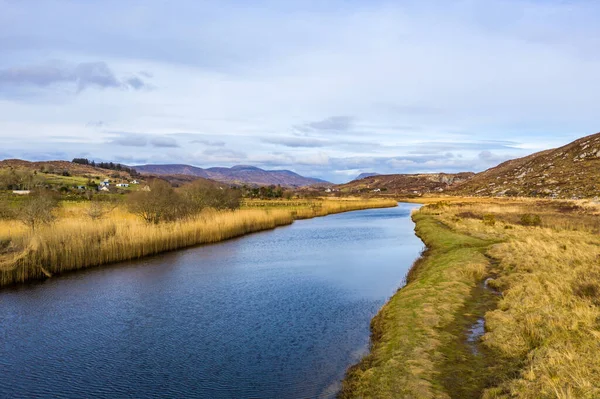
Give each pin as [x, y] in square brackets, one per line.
[122, 184]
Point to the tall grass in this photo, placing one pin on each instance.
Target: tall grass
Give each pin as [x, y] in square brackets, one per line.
[542, 334]
[75, 242]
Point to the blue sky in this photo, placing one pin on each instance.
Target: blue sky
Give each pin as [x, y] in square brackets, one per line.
[327, 89]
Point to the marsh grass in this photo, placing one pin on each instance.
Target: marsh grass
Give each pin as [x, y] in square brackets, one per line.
[75, 241]
[413, 330]
[542, 333]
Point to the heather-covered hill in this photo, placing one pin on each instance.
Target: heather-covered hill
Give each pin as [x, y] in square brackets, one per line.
[405, 184]
[571, 171]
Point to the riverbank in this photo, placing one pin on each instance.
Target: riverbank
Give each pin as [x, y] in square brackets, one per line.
[503, 303]
[75, 242]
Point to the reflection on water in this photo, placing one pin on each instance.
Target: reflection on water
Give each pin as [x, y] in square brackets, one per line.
[277, 314]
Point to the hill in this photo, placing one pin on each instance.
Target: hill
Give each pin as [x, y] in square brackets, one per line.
[405, 184]
[570, 171]
[363, 175]
[240, 174]
[58, 167]
[68, 177]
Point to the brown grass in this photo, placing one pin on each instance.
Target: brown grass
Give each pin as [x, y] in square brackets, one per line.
[542, 339]
[76, 242]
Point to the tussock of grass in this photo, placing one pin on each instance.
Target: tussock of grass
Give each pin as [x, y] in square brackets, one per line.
[76, 242]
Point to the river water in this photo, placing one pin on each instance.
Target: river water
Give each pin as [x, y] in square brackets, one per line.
[276, 314]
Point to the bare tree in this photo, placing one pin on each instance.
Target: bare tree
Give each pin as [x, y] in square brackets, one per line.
[157, 204]
[99, 209]
[202, 194]
[37, 209]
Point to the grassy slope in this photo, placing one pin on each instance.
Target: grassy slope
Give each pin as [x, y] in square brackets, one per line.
[542, 337]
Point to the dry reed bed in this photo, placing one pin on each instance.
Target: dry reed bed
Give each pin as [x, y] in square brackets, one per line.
[75, 242]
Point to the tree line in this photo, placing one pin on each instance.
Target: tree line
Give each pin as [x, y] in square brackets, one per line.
[106, 165]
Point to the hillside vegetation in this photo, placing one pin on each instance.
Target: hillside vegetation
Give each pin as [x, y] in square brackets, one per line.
[570, 171]
[527, 271]
[404, 185]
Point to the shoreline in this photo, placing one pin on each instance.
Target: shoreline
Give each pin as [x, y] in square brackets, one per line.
[42, 260]
[419, 343]
[503, 303]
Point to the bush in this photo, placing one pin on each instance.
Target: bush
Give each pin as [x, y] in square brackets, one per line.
[529, 219]
[202, 194]
[489, 219]
[159, 204]
[37, 209]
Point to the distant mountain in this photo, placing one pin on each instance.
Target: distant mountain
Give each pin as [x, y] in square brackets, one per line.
[363, 175]
[240, 174]
[565, 172]
[403, 184]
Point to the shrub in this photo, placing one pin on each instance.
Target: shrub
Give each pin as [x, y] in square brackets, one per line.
[529, 219]
[160, 203]
[489, 219]
[37, 209]
[202, 194]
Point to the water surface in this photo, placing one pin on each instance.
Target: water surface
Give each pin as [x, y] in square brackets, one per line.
[277, 314]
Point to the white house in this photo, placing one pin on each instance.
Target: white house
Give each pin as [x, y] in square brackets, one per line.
[122, 185]
[135, 182]
[21, 192]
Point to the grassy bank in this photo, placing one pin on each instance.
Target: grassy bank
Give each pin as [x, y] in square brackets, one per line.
[541, 313]
[76, 242]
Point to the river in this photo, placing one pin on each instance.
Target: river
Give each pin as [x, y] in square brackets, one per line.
[276, 314]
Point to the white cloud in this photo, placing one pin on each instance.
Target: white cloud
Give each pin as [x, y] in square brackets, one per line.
[377, 84]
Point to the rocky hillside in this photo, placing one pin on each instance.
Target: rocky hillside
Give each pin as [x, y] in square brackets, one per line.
[240, 174]
[570, 171]
[405, 185]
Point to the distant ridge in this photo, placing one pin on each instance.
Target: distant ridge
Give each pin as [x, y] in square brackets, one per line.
[570, 171]
[239, 174]
[363, 175]
[404, 184]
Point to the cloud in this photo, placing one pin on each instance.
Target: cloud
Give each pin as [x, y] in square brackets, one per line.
[164, 142]
[83, 76]
[135, 83]
[142, 140]
[296, 142]
[224, 155]
[209, 143]
[435, 147]
[96, 124]
[130, 140]
[331, 124]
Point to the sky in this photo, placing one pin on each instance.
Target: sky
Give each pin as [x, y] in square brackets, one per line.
[328, 89]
